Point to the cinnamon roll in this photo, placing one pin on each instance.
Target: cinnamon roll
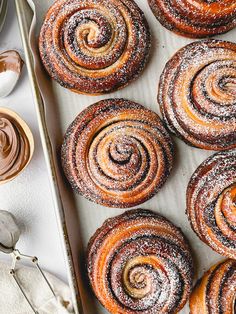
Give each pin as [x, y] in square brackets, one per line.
[211, 207]
[139, 262]
[196, 19]
[197, 94]
[94, 47]
[117, 153]
[216, 291]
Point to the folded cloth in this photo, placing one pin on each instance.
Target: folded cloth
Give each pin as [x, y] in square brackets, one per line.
[12, 300]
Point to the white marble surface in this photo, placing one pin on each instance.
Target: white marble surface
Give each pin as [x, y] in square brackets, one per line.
[28, 196]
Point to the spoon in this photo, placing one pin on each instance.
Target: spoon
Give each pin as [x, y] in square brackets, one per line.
[10, 70]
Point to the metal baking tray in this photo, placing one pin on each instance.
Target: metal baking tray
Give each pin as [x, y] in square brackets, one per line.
[77, 217]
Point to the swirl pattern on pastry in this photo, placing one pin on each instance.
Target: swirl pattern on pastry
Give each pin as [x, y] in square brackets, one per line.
[94, 46]
[117, 153]
[14, 147]
[196, 19]
[215, 293]
[211, 206]
[139, 262]
[197, 94]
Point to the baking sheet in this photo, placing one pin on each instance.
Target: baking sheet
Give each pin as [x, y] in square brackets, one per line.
[62, 106]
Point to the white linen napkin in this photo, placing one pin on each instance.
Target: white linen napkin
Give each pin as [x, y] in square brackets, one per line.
[12, 300]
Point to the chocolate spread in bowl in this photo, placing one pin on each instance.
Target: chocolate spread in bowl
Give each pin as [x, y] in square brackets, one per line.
[14, 147]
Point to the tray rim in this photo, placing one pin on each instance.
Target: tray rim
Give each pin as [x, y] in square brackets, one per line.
[48, 157]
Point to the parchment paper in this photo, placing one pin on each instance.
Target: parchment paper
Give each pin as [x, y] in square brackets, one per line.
[62, 106]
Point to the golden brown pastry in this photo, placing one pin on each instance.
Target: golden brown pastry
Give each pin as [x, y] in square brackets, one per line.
[211, 206]
[197, 94]
[215, 292]
[94, 47]
[139, 262]
[117, 153]
[196, 19]
[16, 145]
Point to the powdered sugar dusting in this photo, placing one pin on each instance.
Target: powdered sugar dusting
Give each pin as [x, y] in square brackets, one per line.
[94, 46]
[148, 267]
[218, 285]
[211, 202]
[195, 19]
[197, 94]
[117, 153]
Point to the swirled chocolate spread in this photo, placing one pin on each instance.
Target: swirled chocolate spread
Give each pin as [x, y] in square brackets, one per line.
[14, 147]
